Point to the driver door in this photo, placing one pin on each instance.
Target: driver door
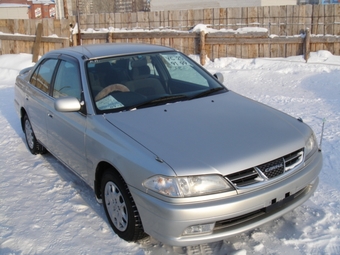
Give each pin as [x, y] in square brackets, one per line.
[65, 130]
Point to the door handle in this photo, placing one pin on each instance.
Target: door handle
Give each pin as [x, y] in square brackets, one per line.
[50, 115]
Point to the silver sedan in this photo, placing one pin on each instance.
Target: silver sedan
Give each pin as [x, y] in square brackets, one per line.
[168, 150]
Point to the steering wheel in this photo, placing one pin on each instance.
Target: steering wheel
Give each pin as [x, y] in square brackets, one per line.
[111, 88]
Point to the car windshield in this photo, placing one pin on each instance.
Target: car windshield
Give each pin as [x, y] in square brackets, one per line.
[137, 81]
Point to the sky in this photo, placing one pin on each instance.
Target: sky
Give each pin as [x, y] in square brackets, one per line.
[46, 209]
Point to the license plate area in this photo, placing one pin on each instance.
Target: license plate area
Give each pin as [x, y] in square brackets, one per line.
[278, 204]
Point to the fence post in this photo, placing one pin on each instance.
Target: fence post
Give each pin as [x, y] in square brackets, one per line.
[75, 39]
[36, 45]
[202, 48]
[109, 37]
[306, 46]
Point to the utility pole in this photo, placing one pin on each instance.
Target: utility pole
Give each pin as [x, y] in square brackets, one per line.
[78, 22]
[65, 9]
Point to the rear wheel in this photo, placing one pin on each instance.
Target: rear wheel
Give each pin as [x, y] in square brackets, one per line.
[33, 145]
[120, 208]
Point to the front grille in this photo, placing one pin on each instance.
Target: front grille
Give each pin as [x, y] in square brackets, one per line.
[267, 170]
[244, 178]
[272, 168]
[293, 159]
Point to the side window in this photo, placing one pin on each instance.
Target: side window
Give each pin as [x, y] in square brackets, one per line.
[42, 76]
[67, 81]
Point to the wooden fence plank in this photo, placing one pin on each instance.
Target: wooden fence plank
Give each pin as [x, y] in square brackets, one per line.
[96, 24]
[164, 19]
[329, 19]
[302, 26]
[143, 20]
[11, 26]
[253, 51]
[336, 19]
[216, 18]
[102, 21]
[234, 18]
[222, 18]
[308, 16]
[252, 18]
[266, 18]
[244, 18]
[282, 20]
[222, 51]
[274, 20]
[318, 19]
[56, 27]
[293, 20]
[184, 17]
[86, 21]
[124, 20]
[231, 50]
[118, 21]
[155, 22]
[290, 20]
[198, 17]
[208, 16]
[20, 26]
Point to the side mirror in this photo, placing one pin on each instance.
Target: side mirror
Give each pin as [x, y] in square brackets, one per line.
[67, 104]
[219, 77]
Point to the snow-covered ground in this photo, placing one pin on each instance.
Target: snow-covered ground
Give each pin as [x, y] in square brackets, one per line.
[45, 209]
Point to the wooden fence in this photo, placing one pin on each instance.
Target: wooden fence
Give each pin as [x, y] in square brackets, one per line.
[279, 20]
[14, 44]
[212, 45]
[285, 25]
[222, 44]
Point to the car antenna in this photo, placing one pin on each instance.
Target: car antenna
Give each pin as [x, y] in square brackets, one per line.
[322, 129]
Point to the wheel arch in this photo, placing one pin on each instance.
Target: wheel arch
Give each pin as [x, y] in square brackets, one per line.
[22, 115]
[101, 168]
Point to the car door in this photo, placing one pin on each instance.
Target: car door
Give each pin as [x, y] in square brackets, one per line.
[37, 97]
[65, 130]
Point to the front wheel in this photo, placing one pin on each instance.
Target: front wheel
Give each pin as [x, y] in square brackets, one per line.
[120, 208]
[33, 145]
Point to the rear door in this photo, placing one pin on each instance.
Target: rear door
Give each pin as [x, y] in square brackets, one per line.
[37, 97]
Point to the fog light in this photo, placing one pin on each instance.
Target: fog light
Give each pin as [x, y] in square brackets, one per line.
[199, 229]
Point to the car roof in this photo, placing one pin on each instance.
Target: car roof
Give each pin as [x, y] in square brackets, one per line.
[94, 51]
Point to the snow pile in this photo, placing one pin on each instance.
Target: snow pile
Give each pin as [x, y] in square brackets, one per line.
[45, 209]
[202, 27]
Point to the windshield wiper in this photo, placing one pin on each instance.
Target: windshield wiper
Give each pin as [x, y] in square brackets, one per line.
[208, 92]
[158, 101]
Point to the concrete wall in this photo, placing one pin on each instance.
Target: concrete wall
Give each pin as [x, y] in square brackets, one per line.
[13, 12]
[161, 5]
[278, 2]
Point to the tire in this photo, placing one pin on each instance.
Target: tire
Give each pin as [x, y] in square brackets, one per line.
[33, 145]
[120, 209]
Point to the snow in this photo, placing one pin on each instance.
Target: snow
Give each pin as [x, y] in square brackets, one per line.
[203, 27]
[46, 209]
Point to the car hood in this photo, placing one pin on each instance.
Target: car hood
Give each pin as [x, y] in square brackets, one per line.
[222, 134]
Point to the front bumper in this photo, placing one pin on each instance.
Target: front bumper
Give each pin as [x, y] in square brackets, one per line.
[166, 221]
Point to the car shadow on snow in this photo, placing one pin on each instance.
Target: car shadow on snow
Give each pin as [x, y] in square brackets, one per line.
[7, 109]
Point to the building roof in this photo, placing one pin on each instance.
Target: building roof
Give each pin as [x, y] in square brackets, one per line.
[4, 5]
[43, 1]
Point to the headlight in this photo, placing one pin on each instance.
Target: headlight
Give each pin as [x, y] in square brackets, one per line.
[311, 146]
[188, 186]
